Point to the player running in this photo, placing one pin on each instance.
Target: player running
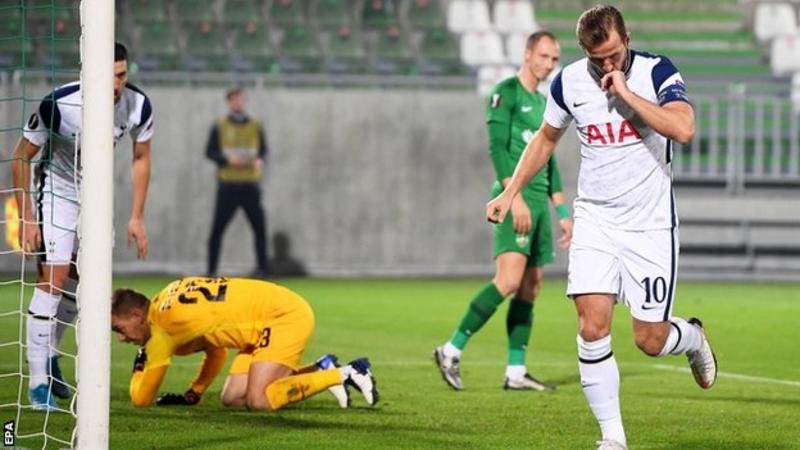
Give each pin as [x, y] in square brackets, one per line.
[628, 106]
[523, 242]
[50, 219]
[268, 324]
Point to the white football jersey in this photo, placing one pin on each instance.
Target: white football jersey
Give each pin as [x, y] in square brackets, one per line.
[55, 129]
[625, 177]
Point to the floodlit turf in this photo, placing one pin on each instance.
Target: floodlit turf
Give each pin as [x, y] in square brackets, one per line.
[755, 404]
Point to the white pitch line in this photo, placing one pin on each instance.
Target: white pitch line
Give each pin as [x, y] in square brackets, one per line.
[736, 376]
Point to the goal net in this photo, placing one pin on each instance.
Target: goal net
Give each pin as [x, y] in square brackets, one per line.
[49, 395]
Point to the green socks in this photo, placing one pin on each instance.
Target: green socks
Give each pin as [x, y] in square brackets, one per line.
[519, 323]
[480, 310]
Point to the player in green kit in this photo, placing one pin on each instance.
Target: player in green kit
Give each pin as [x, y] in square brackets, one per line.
[523, 243]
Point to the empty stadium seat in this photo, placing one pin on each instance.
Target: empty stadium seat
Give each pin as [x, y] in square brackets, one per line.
[481, 47]
[379, 14]
[12, 43]
[514, 16]
[424, 14]
[796, 91]
[205, 47]
[393, 54]
[252, 48]
[774, 19]
[490, 75]
[194, 10]
[157, 49]
[300, 51]
[439, 50]
[467, 15]
[346, 53]
[331, 13]
[147, 11]
[515, 48]
[242, 11]
[785, 55]
[63, 50]
[286, 13]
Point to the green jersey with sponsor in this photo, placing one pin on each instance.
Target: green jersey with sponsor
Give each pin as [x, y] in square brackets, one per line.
[513, 115]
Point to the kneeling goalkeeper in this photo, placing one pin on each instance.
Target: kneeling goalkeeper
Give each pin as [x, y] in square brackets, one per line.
[268, 324]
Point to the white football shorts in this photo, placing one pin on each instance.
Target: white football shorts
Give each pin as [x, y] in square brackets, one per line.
[639, 267]
[58, 221]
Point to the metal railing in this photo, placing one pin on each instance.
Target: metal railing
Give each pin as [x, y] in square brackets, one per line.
[742, 140]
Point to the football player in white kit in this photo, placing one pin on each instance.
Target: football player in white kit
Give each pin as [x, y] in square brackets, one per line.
[50, 212]
[628, 106]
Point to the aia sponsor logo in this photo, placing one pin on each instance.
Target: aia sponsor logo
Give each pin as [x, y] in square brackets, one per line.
[608, 133]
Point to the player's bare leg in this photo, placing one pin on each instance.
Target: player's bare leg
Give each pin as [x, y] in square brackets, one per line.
[234, 391]
[519, 325]
[598, 368]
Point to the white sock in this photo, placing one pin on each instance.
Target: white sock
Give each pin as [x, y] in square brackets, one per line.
[683, 337]
[515, 372]
[600, 382]
[451, 351]
[41, 329]
[345, 372]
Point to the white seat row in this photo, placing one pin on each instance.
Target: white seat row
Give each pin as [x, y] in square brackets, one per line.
[473, 15]
[486, 47]
[785, 54]
[773, 19]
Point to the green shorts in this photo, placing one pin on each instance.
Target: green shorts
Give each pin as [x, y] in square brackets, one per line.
[537, 244]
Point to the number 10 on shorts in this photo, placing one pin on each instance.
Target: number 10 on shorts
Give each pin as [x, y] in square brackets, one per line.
[655, 289]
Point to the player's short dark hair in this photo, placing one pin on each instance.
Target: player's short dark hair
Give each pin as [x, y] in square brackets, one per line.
[120, 52]
[232, 92]
[534, 38]
[124, 300]
[596, 24]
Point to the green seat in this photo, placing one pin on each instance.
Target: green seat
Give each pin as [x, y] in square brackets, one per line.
[286, 13]
[252, 48]
[62, 50]
[425, 14]
[300, 51]
[331, 14]
[346, 52]
[194, 10]
[440, 54]
[393, 54]
[378, 14]
[157, 48]
[205, 47]
[242, 11]
[146, 11]
[13, 44]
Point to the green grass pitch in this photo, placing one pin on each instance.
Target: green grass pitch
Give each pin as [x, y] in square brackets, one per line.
[755, 404]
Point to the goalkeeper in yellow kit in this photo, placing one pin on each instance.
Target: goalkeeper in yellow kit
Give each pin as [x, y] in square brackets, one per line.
[268, 324]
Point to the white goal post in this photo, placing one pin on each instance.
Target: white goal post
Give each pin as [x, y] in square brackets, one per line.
[95, 229]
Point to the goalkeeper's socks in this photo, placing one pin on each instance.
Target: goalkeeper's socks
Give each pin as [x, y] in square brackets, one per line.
[600, 383]
[481, 309]
[295, 388]
[41, 328]
[519, 323]
[683, 337]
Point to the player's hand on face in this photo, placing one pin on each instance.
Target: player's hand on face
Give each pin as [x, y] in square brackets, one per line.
[138, 235]
[521, 214]
[614, 82]
[497, 209]
[566, 233]
[31, 238]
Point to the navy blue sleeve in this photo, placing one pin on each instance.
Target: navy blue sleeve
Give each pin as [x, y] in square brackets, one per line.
[147, 111]
[49, 113]
[557, 92]
[675, 91]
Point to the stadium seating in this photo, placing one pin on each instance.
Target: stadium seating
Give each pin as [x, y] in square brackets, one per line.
[424, 14]
[774, 19]
[490, 75]
[379, 14]
[515, 47]
[157, 48]
[252, 48]
[439, 53]
[242, 11]
[796, 92]
[194, 10]
[511, 16]
[12, 43]
[147, 11]
[346, 53]
[331, 14]
[481, 48]
[286, 13]
[300, 51]
[467, 15]
[393, 55]
[205, 47]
